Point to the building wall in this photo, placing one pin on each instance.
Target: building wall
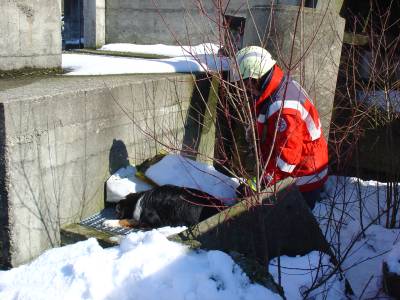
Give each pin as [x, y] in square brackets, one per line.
[169, 22]
[62, 137]
[30, 34]
[58, 139]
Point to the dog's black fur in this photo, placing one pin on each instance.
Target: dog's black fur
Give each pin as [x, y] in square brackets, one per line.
[169, 205]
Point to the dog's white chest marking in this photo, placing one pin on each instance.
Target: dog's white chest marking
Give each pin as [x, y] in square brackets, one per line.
[111, 223]
[136, 215]
[138, 209]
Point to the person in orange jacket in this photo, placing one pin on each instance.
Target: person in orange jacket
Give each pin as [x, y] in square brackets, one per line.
[287, 124]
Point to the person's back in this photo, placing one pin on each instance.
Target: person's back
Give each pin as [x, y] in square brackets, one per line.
[287, 124]
[300, 147]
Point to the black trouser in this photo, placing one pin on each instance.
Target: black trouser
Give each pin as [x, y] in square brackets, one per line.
[312, 197]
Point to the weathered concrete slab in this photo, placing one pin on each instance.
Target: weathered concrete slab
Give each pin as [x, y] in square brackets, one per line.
[30, 34]
[73, 233]
[261, 232]
[58, 136]
[371, 155]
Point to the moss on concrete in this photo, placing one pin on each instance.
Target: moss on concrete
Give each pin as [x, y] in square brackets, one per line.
[74, 233]
[29, 73]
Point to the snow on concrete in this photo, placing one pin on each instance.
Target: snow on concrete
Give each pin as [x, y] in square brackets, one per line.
[184, 59]
[176, 170]
[166, 50]
[181, 171]
[145, 266]
[124, 182]
[85, 64]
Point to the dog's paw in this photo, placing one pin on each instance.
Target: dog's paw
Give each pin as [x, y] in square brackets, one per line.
[112, 223]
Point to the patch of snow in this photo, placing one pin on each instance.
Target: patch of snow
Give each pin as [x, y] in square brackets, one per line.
[393, 260]
[299, 273]
[181, 171]
[166, 50]
[124, 182]
[351, 206]
[85, 64]
[145, 266]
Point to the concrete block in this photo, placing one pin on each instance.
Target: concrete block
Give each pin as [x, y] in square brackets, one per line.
[31, 34]
[284, 225]
[94, 23]
[56, 137]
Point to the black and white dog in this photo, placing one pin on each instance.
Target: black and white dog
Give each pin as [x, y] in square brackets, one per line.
[166, 205]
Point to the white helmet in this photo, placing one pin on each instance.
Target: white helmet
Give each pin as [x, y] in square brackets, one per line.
[253, 62]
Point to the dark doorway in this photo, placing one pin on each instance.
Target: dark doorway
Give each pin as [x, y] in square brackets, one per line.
[72, 24]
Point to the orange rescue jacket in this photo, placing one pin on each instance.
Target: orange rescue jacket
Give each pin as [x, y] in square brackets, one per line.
[300, 150]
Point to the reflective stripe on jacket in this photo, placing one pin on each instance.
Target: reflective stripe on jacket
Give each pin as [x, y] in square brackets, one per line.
[300, 149]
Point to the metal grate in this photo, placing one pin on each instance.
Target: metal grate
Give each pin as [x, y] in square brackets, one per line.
[96, 222]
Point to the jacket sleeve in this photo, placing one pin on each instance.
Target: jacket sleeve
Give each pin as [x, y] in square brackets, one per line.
[286, 151]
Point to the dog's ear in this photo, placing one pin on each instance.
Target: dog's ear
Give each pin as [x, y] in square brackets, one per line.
[124, 209]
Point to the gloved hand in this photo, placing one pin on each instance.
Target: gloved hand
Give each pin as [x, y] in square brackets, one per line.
[246, 189]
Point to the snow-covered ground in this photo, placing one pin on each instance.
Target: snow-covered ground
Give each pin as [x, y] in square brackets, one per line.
[184, 59]
[145, 266]
[354, 226]
[148, 266]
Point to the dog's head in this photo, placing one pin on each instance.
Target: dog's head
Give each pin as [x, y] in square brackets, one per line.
[125, 208]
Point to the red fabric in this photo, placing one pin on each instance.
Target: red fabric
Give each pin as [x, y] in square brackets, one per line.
[276, 79]
[295, 153]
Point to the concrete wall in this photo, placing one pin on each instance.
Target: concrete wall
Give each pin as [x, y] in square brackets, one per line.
[58, 145]
[30, 34]
[94, 23]
[162, 21]
[311, 50]
[169, 21]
